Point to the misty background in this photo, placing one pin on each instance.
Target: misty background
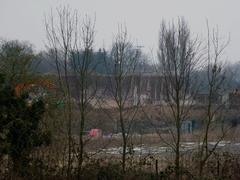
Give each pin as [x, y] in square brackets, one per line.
[24, 20]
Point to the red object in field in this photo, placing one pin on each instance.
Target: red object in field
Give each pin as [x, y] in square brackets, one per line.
[95, 132]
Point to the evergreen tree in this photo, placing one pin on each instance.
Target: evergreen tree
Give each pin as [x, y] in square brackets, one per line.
[20, 130]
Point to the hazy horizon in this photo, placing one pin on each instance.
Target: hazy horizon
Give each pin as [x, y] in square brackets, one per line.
[24, 20]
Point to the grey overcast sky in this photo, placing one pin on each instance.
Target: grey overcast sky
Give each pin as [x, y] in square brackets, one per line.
[24, 19]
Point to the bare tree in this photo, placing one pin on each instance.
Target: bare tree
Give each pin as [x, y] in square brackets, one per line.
[71, 44]
[178, 59]
[60, 34]
[121, 73]
[216, 84]
[83, 66]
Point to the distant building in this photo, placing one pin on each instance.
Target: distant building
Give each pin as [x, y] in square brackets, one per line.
[188, 126]
[145, 88]
[202, 98]
[234, 99]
